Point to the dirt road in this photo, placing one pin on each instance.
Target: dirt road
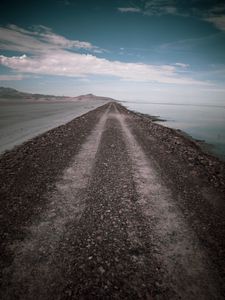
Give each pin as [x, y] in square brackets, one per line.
[102, 208]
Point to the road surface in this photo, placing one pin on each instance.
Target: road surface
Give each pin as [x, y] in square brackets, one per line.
[88, 212]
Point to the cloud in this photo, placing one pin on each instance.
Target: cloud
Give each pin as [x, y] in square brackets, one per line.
[215, 15]
[218, 21]
[153, 7]
[129, 9]
[40, 39]
[46, 53]
[212, 11]
[11, 77]
[69, 64]
[170, 10]
[182, 65]
[160, 7]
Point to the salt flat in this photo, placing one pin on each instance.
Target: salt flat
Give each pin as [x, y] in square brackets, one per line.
[22, 120]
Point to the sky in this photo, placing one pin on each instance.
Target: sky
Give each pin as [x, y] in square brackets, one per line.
[144, 50]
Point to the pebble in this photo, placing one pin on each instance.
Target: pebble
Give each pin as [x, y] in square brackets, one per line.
[101, 269]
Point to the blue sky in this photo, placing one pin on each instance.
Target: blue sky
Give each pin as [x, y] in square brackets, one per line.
[152, 50]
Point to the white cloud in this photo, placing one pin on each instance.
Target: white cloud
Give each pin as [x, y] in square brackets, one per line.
[154, 7]
[159, 8]
[182, 65]
[11, 77]
[214, 15]
[69, 64]
[170, 10]
[40, 39]
[218, 21]
[129, 9]
[48, 53]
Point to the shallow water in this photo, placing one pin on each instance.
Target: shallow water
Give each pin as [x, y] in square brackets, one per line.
[203, 122]
[21, 120]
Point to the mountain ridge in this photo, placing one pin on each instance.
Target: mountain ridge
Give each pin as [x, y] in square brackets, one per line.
[10, 93]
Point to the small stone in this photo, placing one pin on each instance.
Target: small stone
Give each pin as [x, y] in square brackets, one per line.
[101, 269]
[69, 293]
[157, 284]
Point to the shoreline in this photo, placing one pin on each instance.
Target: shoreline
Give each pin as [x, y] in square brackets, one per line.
[205, 147]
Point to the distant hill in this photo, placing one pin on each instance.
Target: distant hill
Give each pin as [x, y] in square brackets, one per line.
[9, 93]
[91, 96]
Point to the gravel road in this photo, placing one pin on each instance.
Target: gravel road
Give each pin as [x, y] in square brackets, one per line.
[111, 206]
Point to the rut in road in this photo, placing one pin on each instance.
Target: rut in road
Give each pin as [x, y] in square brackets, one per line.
[112, 231]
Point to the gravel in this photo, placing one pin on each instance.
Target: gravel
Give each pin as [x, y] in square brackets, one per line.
[144, 193]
